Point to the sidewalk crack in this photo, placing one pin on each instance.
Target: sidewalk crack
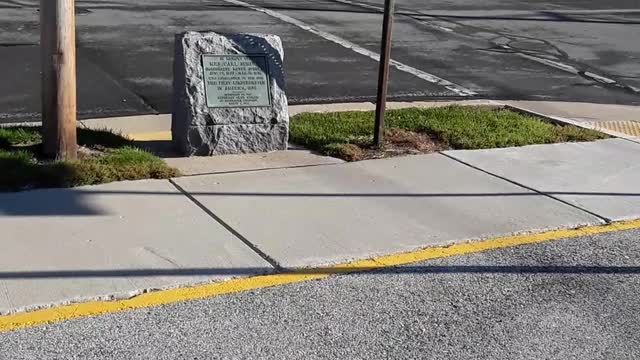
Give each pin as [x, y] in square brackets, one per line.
[165, 258]
[605, 219]
[3, 285]
[233, 231]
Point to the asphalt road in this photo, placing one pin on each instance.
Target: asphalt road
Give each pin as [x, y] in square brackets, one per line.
[568, 299]
[574, 50]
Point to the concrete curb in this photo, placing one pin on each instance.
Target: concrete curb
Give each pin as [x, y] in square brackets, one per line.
[157, 127]
[100, 306]
[565, 121]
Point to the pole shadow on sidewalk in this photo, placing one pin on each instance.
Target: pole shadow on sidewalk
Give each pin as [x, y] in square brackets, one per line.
[49, 202]
[73, 202]
[364, 270]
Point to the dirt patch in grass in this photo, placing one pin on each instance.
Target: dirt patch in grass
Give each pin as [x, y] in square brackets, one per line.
[402, 142]
[102, 157]
[348, 135]
[398, 142]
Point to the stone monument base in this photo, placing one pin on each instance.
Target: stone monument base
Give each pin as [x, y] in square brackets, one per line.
[229, 95]
[235, 139]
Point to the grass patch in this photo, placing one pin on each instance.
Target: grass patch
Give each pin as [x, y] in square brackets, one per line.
[101, 137]
[27, 135]
[455, 127]
[105, 157]
[18, 135]
[129, 156]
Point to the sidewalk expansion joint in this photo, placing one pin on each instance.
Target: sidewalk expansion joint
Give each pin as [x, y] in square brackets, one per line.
[284, 167]
[605, 219]
[233, 231]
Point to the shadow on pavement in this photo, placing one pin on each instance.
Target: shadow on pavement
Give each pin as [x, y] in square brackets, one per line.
[552, 17]
[411, 269]
[49, 202]
[161, 148]
[545, 16]
[360, 195]
[72, 202]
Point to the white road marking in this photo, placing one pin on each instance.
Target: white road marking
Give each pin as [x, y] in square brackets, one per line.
[599, 77]
[573, 70]
[555, 64]
[22, 3]
[362, 5]
[381, 9]
[541, 60]
[457, 89]
[539, 12]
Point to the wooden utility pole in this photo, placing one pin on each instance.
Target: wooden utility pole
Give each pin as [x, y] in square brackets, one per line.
[383, 73]
[58, 46]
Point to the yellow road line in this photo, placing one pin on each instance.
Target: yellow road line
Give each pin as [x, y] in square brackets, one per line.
[73, 311]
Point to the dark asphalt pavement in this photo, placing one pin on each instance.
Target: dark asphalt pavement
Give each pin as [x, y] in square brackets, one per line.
[569, 50]
[567, 299]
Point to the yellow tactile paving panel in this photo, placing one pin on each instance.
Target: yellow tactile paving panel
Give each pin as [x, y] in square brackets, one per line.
[631, 128]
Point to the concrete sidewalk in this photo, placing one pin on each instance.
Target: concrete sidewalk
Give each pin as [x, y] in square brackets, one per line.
[119, 239]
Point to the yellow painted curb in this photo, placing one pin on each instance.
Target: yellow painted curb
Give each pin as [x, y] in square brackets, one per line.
[151, 136]
[73, 311]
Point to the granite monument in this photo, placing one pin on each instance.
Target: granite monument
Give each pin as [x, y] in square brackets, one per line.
[229, 94]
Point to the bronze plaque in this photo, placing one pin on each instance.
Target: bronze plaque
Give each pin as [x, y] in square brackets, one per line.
[236, 80]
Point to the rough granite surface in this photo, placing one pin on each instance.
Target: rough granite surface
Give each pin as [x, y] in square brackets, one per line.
[199, 130]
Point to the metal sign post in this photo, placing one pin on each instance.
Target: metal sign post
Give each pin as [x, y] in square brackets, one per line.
[58, 46]
[383, 73]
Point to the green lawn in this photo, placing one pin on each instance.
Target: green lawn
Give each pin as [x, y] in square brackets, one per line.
[109, 157]
[456, 127]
